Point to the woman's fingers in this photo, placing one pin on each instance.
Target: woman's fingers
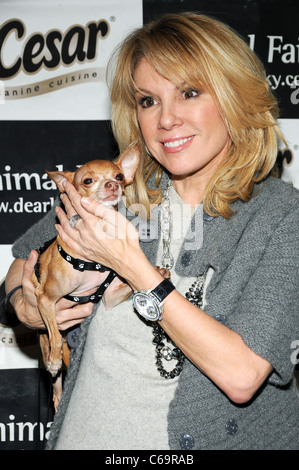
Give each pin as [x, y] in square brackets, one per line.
[75, 204]
[64, 222]
[69, 314]
[72, 200]
[29, 264]
[113, 224]
[97, 209]
[103, 235]
[67, 233]
[25, 304]
[27, 283]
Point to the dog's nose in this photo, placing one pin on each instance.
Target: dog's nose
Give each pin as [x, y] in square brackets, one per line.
[112, 185]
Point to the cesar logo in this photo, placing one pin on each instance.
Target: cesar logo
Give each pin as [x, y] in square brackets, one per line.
[77, 44]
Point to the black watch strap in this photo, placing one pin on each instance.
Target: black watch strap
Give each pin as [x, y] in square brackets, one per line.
[163, 290]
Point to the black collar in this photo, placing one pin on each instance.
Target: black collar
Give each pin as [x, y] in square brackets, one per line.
[81, 265]
[96, 296]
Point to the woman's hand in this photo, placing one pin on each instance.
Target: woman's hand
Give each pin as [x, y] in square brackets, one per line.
[103, 235]
[24, 300]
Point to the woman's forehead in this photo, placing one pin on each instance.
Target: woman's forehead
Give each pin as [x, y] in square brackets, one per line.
[175, 76]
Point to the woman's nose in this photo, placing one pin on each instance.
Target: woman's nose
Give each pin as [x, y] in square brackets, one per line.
[169, 116]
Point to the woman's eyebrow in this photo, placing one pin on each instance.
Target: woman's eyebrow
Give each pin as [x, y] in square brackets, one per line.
[142, 91]
[148, 92]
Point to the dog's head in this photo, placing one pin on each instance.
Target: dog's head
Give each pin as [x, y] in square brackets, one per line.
[102, 180]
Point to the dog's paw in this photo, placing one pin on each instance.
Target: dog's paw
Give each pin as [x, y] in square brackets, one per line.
[164, 272]
[54, 367]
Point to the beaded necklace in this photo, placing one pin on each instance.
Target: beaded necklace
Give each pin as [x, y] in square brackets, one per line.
[166, 349]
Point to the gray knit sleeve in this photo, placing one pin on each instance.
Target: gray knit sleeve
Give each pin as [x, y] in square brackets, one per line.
[267, 316]
[37, 235]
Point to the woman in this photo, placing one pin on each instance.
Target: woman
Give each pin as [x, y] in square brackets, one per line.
[193, 98]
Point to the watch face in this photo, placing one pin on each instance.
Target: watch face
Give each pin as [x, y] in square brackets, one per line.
[146, 307]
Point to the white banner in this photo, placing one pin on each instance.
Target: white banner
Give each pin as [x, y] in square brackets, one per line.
[290, 130]
[18, 348]
[6, 260]
[53, 56]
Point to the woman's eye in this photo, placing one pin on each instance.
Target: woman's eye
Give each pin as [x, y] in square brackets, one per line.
[187, 94]
[87, 181]
[146, 102]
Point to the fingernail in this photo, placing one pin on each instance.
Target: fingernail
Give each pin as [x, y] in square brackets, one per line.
[86, 200]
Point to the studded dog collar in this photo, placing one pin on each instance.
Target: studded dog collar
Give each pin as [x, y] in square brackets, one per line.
[80, 265]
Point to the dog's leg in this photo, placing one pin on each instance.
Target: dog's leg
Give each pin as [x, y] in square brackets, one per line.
[66, 352]
[57, 390]
[51, 345]
[56, 381]
[164, 272]
[117, 292]
[47, 310]
[44, 346]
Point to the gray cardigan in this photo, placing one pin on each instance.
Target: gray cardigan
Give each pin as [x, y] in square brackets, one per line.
[254, 291]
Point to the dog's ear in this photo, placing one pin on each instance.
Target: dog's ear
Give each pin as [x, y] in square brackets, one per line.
[59, 176]
[128, 161]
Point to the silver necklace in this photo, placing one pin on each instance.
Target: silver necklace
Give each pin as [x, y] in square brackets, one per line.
[166, 349]
[166, 228]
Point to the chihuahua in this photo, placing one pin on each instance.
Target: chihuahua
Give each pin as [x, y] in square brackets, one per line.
[60, 273]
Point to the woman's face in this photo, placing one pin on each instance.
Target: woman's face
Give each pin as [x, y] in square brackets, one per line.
[182, 127]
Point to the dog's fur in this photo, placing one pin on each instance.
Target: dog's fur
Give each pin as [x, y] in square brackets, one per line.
[103, 181]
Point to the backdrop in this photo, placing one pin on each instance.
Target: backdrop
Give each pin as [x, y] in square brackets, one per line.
[55, 111]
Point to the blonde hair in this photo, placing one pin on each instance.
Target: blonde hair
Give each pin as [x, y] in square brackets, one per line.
[201, 51]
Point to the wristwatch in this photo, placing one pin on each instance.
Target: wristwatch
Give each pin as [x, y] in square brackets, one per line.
[149, 304]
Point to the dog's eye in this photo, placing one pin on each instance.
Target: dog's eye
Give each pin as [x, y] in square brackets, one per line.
[87, 181]
[119, 177]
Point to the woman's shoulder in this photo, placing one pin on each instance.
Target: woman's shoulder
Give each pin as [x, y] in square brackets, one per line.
[275, 195]
[279, 188]
[274, 201]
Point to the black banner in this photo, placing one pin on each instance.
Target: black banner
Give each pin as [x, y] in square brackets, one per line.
[31, 147]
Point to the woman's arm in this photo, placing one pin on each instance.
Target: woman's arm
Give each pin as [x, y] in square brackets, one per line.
[216, 350]
[24, 299]
[220, 353]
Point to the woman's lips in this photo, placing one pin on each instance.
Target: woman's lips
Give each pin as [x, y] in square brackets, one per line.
[172, 146]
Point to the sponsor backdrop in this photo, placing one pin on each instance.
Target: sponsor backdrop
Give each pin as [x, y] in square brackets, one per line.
[54, 113]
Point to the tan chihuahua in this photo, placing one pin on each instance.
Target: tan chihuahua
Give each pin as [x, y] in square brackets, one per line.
[60, 273]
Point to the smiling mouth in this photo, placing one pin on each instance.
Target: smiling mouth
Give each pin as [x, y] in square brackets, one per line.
[177, 143]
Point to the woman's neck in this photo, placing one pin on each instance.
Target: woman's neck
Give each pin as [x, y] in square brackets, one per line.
[191, 192]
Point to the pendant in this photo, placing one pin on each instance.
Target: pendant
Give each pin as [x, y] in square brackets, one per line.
[195, 293]
[170, 351]
[165, 352]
